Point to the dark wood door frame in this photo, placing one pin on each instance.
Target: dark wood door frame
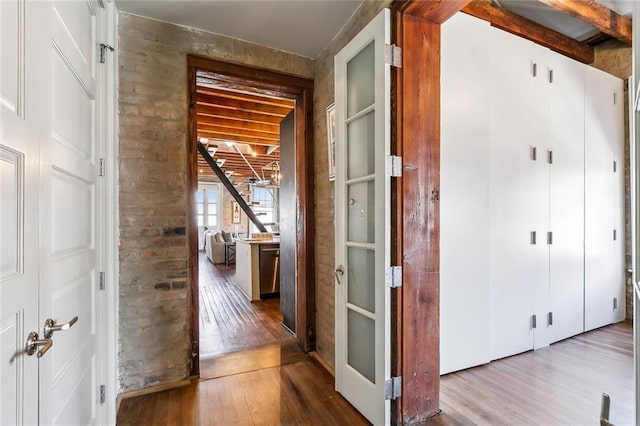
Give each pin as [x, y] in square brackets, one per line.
[416, 207]
[236, 76]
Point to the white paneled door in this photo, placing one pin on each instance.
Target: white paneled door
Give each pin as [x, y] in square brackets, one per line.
[362, 206]
[50, 243]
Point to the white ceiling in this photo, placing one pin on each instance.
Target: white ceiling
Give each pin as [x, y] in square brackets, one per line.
[303, 27]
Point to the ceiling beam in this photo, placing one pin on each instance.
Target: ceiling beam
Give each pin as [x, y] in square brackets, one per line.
[237, 115]
[516, 24]
[435, 11]
[595, 14]
[228, 136]
[239, 132]
[236, 104]
[239, 124]
[245, 97]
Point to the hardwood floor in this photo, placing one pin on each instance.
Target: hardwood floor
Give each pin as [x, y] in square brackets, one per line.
[276, 384]
[228, 321]
[558, 385]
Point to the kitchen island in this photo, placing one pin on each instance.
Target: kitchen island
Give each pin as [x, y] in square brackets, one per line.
[258, 267]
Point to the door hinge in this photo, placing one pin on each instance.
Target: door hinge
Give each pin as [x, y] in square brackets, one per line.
[393, 166]
[615, 167]
[615, 235]
[534, 69]
[615, 303]
[393, 55]
[615, 98]
[393, 388]
[550, 76]
[533, 237]
[534, 321]
[550, 318]
[549, 237]
[103, 51]
[101, 281]
[103, 394]
[534, 153]
[101, 167]
[393, 276]
[550, 157]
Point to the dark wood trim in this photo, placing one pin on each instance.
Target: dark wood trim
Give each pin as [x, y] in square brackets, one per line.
[597, 15]
[192, 227]
[522, 27]
[420, 195]
[270, 83]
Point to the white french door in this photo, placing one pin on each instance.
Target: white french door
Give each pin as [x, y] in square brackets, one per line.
[362, 210]
[208, 209]
[50, 155]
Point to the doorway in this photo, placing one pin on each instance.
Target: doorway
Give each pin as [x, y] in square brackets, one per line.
[296, 235]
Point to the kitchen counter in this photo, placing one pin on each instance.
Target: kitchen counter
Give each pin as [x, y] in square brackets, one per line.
[249, 268]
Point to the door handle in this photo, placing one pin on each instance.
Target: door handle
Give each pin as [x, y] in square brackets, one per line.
[50, 326]
[33, 343]
[338, 273]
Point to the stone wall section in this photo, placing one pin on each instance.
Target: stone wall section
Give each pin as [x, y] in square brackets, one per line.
[154, 311]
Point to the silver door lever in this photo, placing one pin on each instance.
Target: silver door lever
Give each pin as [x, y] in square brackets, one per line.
[50, 326]
[338, 273]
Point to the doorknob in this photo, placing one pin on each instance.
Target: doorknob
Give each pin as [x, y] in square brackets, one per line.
[338, 273]
[50, 326]
[33, 342]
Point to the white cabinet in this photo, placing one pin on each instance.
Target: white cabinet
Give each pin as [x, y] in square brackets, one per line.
[527, 215]
[464, 188]
[604, 215]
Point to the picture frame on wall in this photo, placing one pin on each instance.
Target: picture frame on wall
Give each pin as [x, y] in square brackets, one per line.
[331, 140]
[235, 212]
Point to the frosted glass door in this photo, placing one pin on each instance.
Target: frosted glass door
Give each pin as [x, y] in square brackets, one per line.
[362, 220]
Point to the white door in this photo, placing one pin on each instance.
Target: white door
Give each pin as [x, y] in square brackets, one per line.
[362, 206]
[56, 146]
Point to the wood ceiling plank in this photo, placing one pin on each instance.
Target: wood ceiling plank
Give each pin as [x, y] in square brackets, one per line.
[239, 132]
[223, 137]
[595, 14]
[237, 115]
[516, 24]
[239, 124]
[287, 103]
[236, 104]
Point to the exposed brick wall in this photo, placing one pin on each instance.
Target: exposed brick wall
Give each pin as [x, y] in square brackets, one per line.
[614, 57]
[154, 286]
[324, 191]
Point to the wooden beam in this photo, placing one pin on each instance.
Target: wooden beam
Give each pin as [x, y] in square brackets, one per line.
[246, 97]
[597, 15]
[232, 123]
[237, 115]
[435, 11]
[230, 136]
[240, 132]
[241, 105]
[516, 24]
[418, 300]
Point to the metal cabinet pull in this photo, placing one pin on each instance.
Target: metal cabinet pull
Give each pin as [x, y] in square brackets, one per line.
[50, 326]
[33, 343]
[338, 273]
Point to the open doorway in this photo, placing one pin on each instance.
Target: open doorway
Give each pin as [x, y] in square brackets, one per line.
[255, 125]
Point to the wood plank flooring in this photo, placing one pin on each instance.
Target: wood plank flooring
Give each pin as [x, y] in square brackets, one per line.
[228, 321]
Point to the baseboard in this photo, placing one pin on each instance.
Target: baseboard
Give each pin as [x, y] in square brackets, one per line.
[151, 389]
[315, 355]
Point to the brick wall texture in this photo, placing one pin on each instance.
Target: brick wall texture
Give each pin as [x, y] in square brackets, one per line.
[614, 57]
[154, 325]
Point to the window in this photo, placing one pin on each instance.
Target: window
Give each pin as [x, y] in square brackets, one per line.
[208, 204]
[264, 202]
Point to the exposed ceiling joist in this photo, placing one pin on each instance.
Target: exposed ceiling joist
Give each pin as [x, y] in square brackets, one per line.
[237, 115]
[595, 14]
[508, 21]
[233, 123]
[230, 137]
[245, 97]
[235, 104]
[239, 132]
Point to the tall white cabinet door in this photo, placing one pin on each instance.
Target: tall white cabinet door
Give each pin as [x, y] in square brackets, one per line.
[512, 214]
[464, 189]
[565, 78]
[603, 274]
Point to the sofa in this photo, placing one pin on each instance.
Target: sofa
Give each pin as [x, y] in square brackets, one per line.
[214, 245]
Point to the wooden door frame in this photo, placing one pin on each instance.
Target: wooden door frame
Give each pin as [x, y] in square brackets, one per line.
[415, 345]
[272, 83]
